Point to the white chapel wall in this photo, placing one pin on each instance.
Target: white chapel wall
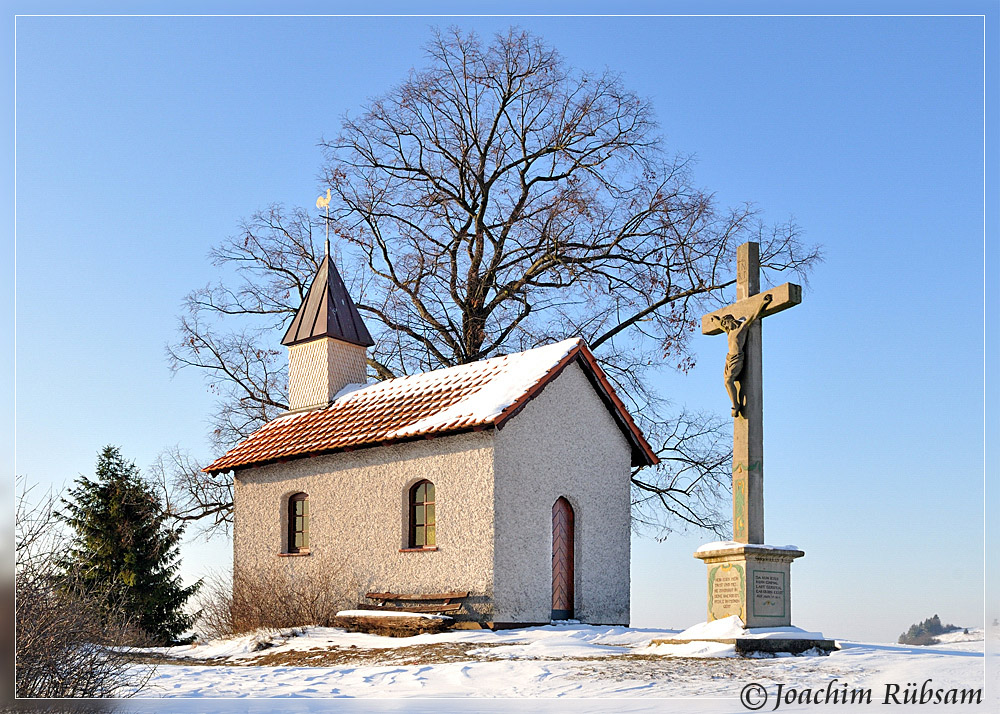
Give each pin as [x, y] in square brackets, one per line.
[358, 517]
[563, 443]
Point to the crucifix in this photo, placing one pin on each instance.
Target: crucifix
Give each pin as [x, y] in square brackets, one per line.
[746, 578]
[741, 322]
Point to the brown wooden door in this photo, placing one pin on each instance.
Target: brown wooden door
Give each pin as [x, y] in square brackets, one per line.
[562, 560]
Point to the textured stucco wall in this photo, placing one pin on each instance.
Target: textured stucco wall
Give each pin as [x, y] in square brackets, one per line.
[320, 368]
[358, 512]
[563, 443]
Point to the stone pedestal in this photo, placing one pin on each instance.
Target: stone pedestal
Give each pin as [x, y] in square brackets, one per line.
[750, 581]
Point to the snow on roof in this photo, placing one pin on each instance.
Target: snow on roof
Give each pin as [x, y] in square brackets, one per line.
[482, 394]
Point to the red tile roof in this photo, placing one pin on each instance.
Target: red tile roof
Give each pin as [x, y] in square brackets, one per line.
[468, 397]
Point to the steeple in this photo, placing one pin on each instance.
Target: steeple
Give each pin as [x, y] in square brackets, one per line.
[327, 342]
[328, 311]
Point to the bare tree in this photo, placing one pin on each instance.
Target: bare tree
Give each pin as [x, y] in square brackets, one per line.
[188, 495]
[495, 201]
[68, 643]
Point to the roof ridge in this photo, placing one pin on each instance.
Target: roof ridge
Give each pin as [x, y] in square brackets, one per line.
[466, 365]
[486, 360]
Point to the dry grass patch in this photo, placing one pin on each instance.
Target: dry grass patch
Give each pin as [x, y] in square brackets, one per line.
[400, 656]
[336, 656]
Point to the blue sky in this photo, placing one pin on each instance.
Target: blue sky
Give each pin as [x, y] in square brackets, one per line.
[140, 142]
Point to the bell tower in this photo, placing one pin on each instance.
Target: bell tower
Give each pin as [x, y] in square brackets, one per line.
[327, 342]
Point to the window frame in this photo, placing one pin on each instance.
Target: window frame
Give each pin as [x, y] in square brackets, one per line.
[413, 504]
[291, 531]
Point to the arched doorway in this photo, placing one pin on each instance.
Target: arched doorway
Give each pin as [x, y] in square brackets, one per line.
[562, 560]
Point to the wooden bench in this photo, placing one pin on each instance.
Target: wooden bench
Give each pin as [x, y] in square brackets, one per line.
[421, 602]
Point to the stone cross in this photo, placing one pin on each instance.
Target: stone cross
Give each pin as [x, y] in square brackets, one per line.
[741, 321]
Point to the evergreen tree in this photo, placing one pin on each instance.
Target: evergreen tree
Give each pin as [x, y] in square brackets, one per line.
[123, 550]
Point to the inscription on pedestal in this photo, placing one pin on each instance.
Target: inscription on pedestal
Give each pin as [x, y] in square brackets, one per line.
[768, 594]
[726, 586]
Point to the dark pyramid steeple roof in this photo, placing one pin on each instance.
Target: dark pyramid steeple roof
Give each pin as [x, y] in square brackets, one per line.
[328, 311]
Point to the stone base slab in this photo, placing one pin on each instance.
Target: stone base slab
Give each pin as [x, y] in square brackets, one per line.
[773, 645]
[750, 581]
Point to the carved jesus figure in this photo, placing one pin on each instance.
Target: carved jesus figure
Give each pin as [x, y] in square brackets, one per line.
[736, 332]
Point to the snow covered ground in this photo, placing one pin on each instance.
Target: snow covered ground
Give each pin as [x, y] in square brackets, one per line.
[567, 667]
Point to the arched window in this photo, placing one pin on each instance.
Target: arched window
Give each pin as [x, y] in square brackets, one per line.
[298, 523]
[422, 520]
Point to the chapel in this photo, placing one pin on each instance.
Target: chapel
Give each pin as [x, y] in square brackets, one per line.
[508, 478]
